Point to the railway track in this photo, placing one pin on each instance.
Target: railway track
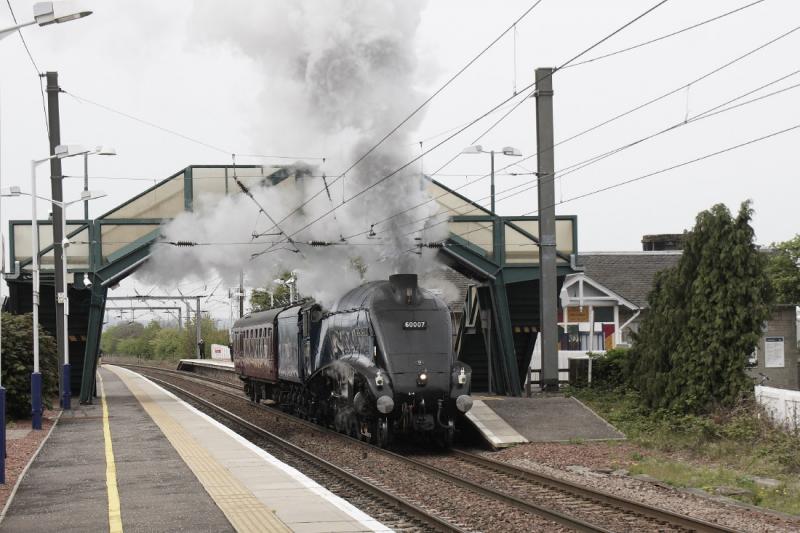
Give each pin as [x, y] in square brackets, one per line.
[367, 495]
[577, 507]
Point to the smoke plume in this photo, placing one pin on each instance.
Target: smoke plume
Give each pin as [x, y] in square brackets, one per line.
[338, 75]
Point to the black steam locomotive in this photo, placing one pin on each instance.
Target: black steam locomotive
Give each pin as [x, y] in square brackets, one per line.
[379, 363]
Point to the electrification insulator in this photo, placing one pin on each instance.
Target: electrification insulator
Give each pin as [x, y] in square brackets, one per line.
[318, 243]
[184, 243]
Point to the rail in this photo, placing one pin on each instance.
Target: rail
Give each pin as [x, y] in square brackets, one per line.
[587, 495]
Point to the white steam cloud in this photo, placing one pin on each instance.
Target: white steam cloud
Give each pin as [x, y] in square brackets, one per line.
[338, 75]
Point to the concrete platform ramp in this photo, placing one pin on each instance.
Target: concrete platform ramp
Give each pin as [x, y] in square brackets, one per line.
[506, 421]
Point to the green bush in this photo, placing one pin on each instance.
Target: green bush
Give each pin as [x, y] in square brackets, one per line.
[611, 370]
[17, 352]
[168, 344]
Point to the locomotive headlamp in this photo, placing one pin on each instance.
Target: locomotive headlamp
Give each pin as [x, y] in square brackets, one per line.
[464, 403]
[462, 377]
[385, 404]
[422, 378]
[379, 379]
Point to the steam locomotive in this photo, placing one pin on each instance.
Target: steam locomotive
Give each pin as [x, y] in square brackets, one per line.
[378, 364]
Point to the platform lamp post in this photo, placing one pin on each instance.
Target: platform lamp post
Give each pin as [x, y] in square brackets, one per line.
[478, 149]
[101, 150]
[61, 152]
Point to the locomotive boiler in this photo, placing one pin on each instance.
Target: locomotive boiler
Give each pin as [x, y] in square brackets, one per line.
[379, 363]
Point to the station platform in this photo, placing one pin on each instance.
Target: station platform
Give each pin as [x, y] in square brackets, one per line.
[143, 460]
[550, 418]
[212, 368]
[209, 363]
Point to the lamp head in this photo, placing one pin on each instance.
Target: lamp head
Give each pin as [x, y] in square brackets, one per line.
[91, 195]
[104, 150]
[10, 191]
[86, 281]
[56, 12]
[475, 149]
[510, 150]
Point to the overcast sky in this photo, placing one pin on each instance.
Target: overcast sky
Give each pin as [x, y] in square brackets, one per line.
[182, 65]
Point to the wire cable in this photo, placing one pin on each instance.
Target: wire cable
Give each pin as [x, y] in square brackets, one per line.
[529, 86]
[668, 35]
[562, 66]
[342, 175]
[673, 167]
[648, 175]
[35, 67]
[654, 100]
[170, 131]
[713, 111]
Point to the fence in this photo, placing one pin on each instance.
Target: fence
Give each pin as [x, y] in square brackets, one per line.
[783, 405]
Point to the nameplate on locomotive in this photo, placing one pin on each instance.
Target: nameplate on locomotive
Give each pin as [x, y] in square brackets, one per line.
[415, 324]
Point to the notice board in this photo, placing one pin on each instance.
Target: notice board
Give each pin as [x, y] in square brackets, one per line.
[773, 352]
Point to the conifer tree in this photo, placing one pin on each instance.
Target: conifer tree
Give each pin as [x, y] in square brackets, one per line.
[705, 317]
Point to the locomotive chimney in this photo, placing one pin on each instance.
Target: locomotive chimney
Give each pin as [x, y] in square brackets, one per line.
[404, 287]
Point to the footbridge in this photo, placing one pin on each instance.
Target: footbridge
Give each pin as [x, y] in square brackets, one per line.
[496, 256]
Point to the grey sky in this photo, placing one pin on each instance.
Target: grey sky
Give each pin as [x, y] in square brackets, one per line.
[174, 64]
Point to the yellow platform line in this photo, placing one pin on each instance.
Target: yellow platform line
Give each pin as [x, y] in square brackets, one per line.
[244, 511]
[114, 512]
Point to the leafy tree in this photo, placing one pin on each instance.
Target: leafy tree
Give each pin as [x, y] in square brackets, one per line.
[260, 299]
[17, 346]
[112, 336]
[783, 269]
[168, 344]
[704, 317]
[208, 332]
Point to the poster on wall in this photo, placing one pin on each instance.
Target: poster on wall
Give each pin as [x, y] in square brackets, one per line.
[773, 352]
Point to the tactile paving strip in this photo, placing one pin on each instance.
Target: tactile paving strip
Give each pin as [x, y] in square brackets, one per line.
[244, 511]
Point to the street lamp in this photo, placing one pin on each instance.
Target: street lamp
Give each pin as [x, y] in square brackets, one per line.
[62, 297]
[46, 13]
[61, 152]
[478, 149]
[100, 150]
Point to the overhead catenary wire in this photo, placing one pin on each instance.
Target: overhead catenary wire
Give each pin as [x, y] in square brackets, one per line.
[713, 111]
[650, 174]
[612, 119]
[621, 51]
[393, 173]
[176, 133]
[643, 105]
[35, 67]
[413, 113]
[666, 36]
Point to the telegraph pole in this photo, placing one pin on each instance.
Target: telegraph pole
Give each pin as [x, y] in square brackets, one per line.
[56, 180]
[547, 229]
[197, 328]
[241, 293]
